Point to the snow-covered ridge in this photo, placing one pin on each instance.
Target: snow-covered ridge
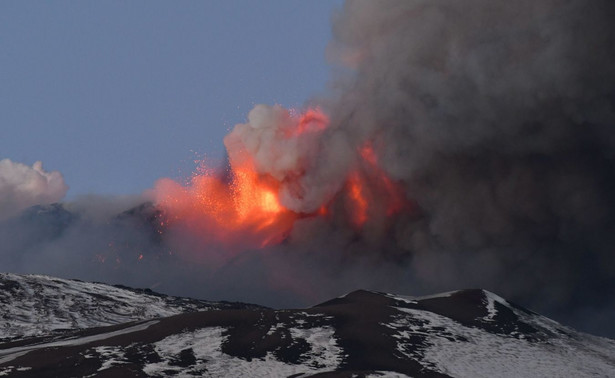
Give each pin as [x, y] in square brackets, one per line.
[410, 298]
[35, 305]
[466, 333]
[461, 351]
[501, 337]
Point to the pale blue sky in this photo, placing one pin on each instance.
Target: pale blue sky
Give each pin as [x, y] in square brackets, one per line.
[116, 94]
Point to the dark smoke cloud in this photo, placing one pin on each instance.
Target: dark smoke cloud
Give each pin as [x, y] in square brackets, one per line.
[497, 119]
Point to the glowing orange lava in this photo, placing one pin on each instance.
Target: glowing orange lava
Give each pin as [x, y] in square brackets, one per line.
[356, 188]
[312, 120]
[245, 212]
[368, 154]
[242, 210]
[394, 194]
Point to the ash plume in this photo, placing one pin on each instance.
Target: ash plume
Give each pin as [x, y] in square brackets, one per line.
[499, 120]
[464, 144]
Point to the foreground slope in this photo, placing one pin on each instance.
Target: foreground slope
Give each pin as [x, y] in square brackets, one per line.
[35, 305]
[470, 333]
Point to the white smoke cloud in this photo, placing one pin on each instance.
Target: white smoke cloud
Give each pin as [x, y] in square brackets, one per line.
[22, 186]
[285, 146]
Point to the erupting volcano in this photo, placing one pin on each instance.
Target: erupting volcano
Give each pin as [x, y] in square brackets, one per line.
[255, 201]
[455, 145]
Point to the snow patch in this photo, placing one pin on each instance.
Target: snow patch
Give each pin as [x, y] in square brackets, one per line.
[206, 346]
[324, 349]
[387, 374]
[7, 370]
[111, 356]
[491, 299]
[34, 305]
[462, 351]
[413, 300]
[10, 354]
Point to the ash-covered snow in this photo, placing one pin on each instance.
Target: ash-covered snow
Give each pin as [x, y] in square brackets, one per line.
[466, 333]
[34, 305]
[111, 356]
[409, 298]
[387, 374]
[459, 350]
[203, 345]
[324, 353]
[10, 354]
[205, 348]
[490, 300]
[8, 370]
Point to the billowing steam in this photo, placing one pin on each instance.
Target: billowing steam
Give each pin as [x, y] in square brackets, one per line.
[283, 147]
[465, 144]
[22, 186]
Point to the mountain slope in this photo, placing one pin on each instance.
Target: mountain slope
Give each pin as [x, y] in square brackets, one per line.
[468, 333]
[34, 305]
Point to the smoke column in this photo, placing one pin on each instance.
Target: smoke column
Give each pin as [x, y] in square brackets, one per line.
[496, 119]
[499, 119]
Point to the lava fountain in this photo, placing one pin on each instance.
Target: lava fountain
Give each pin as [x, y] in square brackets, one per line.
[243, 208]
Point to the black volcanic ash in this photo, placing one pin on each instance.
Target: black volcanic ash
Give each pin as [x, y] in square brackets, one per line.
[499, 118]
